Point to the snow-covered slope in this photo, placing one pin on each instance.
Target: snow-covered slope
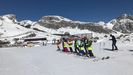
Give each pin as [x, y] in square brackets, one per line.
[10, 29]
[111, 23]
[27, 22]
[9, 18]
[47, 61]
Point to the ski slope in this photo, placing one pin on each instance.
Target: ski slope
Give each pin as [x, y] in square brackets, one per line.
[45, 60]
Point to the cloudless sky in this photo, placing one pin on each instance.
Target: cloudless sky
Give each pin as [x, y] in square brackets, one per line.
[82, 10]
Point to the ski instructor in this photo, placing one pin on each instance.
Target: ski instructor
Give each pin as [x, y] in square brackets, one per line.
[113, 42]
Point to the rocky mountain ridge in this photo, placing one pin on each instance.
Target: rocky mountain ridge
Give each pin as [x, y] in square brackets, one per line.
[122, 23]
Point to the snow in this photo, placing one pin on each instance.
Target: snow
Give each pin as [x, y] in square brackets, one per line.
[73, 31]
[27, 22]
[57, 18]
[111, 23]
[123, 21]
[81, 22]
[46, 60]
[10, 29]
[101, 23]
[9, 18]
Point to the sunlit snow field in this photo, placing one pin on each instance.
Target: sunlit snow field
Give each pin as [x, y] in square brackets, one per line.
[45, 60]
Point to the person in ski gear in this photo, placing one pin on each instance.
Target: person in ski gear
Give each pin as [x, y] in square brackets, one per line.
[81, 46]
[86, 43]
[114, 47]
[89, 49]
[58, 45]
[62, 41]
[54, 41]
[70, 43]
[76, 45]
[65, 45]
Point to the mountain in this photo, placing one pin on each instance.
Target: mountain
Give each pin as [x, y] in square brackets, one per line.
[52, 19]
[123, 23]
[56, 22]
[10, 28]
[49, 25]
[10, 18]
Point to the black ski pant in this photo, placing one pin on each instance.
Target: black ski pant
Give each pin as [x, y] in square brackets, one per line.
[90, 53]
[76, 49]
[114, 45]
[71, 50]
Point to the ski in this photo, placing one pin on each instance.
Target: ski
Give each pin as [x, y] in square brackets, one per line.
[103, 58]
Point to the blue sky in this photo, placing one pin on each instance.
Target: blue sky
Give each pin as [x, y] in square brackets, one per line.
[83, 10]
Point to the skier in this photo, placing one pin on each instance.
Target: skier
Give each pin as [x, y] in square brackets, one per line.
[76, 45]
[70, 43]
[113, 42]
[89, 49]
[62, 41]
[58, 45]
[86, 41]
[65, 45]
[81, 46]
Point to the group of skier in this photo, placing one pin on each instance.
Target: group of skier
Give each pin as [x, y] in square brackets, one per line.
[80, 46]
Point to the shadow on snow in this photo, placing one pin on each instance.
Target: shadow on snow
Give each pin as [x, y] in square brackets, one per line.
[130, 50]
[107, 49]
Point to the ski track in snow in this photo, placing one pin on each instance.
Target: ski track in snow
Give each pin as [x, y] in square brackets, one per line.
[47, 61]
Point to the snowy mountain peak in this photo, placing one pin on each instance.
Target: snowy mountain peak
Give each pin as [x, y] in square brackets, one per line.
[10, 18]
[27, 22]
[53, 19]
[113, 21]
[123, 23]
[125, 15]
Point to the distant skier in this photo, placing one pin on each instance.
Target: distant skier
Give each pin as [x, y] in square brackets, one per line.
[86, 41]
[76, 45]
[65, 45]
[62, 41]
[58, 45]
[70, 44]
[89, 49]
[81, 46]
[113, 42]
